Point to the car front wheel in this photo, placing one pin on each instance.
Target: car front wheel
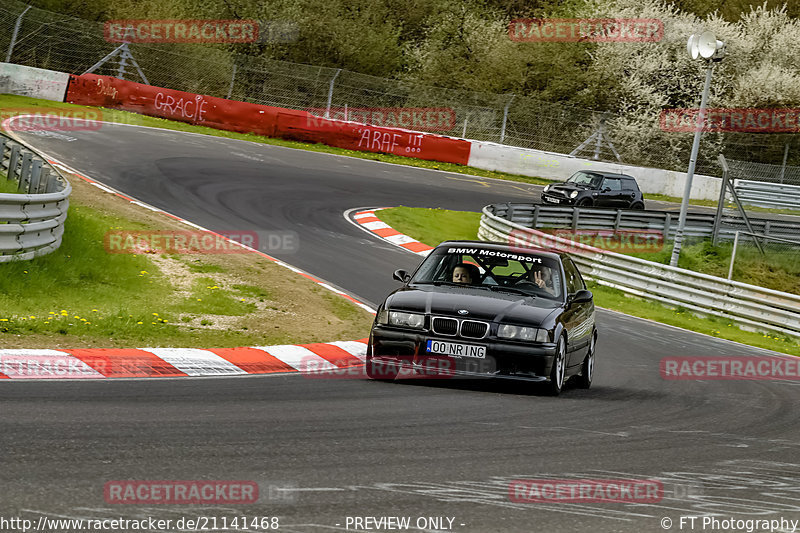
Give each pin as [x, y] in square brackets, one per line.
[639, 206]
[558, 371]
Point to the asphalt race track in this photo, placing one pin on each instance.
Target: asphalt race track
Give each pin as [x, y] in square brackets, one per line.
[323, 450]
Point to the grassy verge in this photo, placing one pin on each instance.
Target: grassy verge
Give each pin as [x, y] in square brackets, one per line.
[82, 296]
[432, 226]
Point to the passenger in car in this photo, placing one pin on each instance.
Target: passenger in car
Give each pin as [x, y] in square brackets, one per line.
[466, 273]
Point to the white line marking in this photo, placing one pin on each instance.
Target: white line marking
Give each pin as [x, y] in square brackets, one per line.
[196, 362]
[298, 357]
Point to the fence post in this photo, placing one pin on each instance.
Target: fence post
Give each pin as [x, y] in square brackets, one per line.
[464, 133]
[733, 254]
[785, 156]
[14, 34]
[505, 119]
[330, 94]
[233, 77]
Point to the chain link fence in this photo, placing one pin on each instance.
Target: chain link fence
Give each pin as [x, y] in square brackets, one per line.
[40, 38]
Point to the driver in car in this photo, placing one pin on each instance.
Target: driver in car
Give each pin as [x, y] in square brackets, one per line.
[542, 277]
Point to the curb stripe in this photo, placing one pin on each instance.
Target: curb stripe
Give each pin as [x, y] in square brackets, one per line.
[109, 363]
[334, 355]
[253, 360]
[44, 364]
[197, 362]
[369, 221]
[298, 357]
[126, 363]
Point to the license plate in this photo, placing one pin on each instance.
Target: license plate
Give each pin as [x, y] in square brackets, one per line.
[552, 200]
[455, 349]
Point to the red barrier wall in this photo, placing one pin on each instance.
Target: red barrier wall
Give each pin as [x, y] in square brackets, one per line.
[105, 91]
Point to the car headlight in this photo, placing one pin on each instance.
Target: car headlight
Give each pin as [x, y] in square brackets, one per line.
[522, 333]
[573, 194]
[546, 188]
[406, 320]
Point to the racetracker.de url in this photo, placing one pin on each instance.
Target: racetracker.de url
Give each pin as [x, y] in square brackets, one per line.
[45, 524]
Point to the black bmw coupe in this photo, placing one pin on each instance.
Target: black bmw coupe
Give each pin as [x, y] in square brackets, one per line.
[477, 309]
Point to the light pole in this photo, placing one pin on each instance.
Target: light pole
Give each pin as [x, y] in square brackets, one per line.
[711, 50]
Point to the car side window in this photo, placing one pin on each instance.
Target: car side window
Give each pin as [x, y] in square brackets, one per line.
[629, 185]
[574, 279]
[613, 184]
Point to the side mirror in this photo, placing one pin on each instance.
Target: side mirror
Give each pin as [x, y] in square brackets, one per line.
[401, 276]
[606, 189]
[581, 297]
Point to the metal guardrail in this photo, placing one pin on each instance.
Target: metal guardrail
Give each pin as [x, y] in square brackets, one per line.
[697, 224]
[31, 220]
[765, 194]
[748, 306]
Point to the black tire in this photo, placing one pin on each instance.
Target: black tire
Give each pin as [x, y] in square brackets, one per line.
[639, 206]
[585, 202]
[559, 369]
[584, 380]
[380, 371]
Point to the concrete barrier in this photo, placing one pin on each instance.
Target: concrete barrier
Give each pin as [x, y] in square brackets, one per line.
[33, 82]
[550, 165]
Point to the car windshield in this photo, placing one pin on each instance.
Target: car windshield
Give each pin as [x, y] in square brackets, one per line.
[586, 179]
[521, 272]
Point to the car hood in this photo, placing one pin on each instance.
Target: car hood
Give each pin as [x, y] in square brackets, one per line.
[567, 188]
[481, 304]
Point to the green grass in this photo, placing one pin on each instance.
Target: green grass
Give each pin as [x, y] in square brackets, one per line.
[429, 225]
[777, 269]
[432, 226]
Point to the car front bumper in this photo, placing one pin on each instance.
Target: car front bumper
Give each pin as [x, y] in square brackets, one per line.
[556, 199]
[510, 360]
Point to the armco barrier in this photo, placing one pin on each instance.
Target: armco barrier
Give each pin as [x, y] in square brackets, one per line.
[32, 221]
[748, 306]
[766, 194]
[697, 224]
[244, 117]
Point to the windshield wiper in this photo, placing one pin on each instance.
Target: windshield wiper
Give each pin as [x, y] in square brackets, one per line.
[510, 289]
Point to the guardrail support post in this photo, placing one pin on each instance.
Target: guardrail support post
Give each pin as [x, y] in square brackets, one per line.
[617, 220]
[535, 222]
[44, 180]
[667, 225]
[36, 174]
[576, 213]
[25, 174]
[12, 162]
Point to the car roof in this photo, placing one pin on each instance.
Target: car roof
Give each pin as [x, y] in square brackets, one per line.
[504, 247]
[609, 174]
